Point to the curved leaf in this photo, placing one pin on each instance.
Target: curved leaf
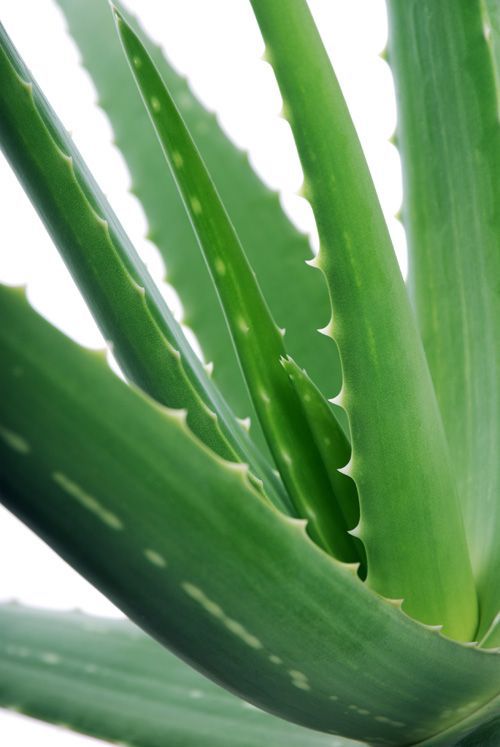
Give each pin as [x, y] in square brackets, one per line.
[276, 250]
[257, 339]
[192, 553]
[147, 341]
[411, 524]
[451, 165]
[107, 679]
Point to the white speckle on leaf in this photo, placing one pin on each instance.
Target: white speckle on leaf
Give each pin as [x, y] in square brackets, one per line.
[389, 721]
[240, 631]
[361, 711]
[216, 611]
[195, 694]
[196, 205]
[87, 501]
[14, 441]
[155, 104]
[265, 397]
[299, 679]
[220, 267]
[49, 658]
[177, 159]
[243, 325]
[155, 558]
[275, 659]
[137, 61]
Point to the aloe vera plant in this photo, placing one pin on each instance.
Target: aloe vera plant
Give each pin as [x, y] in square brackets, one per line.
[336, 564]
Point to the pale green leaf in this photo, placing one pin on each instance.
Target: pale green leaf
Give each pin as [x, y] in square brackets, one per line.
[107, 679]
[411, 524]
[451, 166]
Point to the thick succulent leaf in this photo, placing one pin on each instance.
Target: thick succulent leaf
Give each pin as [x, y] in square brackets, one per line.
[451, 163]
[146, 339]
[107, 679]
[411, 524]
[330, 440]
[257, 339]
[276, 250]
[186, 547]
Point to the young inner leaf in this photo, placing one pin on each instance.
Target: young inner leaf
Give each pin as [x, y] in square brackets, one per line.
[257, 339]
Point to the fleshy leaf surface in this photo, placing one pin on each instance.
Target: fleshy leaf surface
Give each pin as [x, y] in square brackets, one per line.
[109, 680]
[331, 442]
[411, 525]
[147, 341]
[121, 489]
[442, 59]
[276, 250]
[257, 339]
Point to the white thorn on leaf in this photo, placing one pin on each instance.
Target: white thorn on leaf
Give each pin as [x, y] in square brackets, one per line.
[245, 423]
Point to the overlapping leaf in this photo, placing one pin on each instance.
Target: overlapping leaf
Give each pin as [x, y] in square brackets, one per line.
[451, 164]
[411, 524]
[257, 339]
[146, 339]
[123, 491]
[107, 679]
[298, 299]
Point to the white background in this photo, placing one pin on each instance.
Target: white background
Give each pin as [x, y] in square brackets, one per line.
[218, 45]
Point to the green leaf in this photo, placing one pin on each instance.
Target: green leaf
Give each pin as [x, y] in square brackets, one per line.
[330, 440]
[184, 545]
[107, 679]
[479, 730]
[411, 524]
[491, 15]
[257, 339]
[451, 164]
[276, 250]
[147, 341]
[491, 638]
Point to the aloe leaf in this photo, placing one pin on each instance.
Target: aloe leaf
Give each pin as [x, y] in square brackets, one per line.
[107, 679]
[122, 490]
[330, 440]
[451, 161]
[411, 525]
[276, 250]
[147, 341]
[257, 338]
